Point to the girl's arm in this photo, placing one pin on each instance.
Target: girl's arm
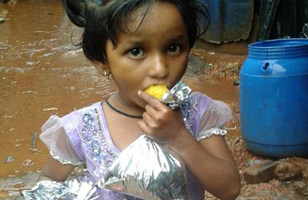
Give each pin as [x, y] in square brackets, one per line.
[55, 171]
[211, 163]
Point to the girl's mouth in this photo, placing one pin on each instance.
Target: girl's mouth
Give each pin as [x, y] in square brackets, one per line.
[157, 91]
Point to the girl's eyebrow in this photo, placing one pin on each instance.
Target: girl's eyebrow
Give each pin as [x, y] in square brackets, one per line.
[132, 43]
[128, 44]
[179, 37]
[139, 41]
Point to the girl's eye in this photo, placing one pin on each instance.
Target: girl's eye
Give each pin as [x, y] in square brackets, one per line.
[174, 49]
[136, 53]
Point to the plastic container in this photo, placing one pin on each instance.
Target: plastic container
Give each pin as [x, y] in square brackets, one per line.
[274, 98]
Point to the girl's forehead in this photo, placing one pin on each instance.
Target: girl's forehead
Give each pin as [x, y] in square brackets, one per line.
[161, 22]
[138, 12]
[137, 16]
[156, 15]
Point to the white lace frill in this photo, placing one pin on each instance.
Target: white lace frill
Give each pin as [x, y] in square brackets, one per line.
[213, 119]
[54, 137]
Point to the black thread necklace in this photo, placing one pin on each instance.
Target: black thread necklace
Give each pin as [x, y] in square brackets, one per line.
[121, 112]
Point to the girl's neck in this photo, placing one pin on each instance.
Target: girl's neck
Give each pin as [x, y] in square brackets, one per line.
[121, 103]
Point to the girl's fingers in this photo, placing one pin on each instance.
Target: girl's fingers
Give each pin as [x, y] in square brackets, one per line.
[150, 100]
[142, 125]
[151, 112]
[148, 120]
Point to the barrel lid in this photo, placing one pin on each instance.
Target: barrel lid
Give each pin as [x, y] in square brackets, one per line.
[279, 48]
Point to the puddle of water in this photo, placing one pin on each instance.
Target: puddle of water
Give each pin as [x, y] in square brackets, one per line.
[42, 73]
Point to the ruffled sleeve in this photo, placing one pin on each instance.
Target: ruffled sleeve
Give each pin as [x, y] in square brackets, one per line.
[213, 114]
[55, 137]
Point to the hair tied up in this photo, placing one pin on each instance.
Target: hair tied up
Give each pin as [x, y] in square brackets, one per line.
[75, 10]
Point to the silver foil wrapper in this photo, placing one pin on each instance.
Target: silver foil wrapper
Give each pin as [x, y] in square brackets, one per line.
[76, 188]
[44, 190]
[177, 96]
[148, 170]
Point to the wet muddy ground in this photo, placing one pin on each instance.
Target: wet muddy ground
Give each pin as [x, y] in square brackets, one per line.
[43, 73]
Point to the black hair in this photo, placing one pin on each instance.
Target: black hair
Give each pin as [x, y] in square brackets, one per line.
[102, 19]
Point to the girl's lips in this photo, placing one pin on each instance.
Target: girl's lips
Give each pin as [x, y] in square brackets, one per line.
[154, 85]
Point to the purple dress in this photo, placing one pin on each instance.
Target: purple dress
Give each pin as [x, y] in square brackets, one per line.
[83, 137]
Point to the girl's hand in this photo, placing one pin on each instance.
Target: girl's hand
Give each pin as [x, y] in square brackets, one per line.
[159, 121]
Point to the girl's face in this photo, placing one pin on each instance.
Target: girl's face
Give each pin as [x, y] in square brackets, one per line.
[155, 52]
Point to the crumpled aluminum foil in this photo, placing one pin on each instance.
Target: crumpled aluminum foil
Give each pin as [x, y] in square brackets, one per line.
[176, 96]
[149, 170]
[50, 190]
[77, 188]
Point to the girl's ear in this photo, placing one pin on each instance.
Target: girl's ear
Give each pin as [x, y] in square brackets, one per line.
[101, 67]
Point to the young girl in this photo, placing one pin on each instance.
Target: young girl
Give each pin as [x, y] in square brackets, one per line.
[141, 43]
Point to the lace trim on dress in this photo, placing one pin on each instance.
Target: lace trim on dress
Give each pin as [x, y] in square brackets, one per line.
[63, 160]
[210, 132]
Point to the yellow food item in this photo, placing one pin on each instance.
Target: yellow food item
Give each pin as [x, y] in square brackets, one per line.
[157, 91]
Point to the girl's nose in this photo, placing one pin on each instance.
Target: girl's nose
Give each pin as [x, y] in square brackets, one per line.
[158, 67]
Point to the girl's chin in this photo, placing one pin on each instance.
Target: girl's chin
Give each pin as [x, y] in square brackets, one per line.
[142, 104]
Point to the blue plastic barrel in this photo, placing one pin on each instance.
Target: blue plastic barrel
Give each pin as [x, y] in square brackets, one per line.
[274, 98]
